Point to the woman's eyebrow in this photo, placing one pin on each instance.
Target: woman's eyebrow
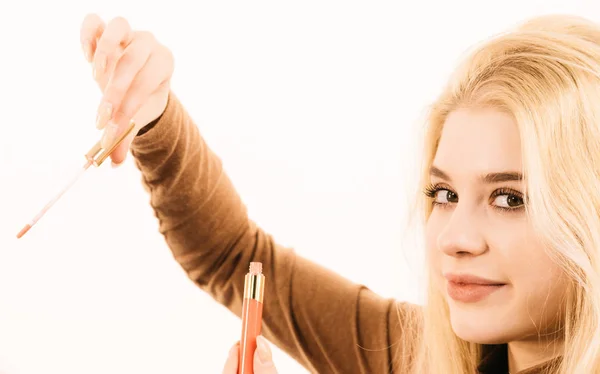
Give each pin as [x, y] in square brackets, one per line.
[496, 177]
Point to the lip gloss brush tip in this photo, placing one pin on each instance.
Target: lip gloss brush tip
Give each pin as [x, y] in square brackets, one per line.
[23, 231]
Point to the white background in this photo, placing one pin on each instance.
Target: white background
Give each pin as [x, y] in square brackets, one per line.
[314, 107]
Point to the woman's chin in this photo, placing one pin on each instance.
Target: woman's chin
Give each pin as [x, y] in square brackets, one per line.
[480, 330]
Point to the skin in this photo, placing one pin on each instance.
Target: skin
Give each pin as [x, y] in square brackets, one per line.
[263, 359]
[133, 71]
[469, 233]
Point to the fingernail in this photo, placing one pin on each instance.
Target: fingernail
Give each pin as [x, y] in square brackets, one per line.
[101, 63]
[87, 51]
[110, 135]
[263, 351]
[103, 115]
[114, 165]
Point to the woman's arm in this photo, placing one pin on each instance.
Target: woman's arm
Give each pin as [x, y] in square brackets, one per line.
[324, 321]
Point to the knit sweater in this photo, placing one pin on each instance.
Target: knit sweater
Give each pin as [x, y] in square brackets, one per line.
[327, 323]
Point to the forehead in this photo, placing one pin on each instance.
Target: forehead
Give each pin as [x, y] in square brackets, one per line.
[478, 141]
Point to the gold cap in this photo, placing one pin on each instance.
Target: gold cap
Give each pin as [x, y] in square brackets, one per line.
[254, 287]
[97, 154]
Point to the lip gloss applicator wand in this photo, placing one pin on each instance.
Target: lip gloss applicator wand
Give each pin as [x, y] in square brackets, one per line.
[95, 156]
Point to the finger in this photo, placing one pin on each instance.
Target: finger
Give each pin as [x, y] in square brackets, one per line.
[108, 51]
[149, 80]
[153, 75]
[263, 358]
[115, 37]
[231, 365]
[119, 154]
[132, 60]
[92, 28]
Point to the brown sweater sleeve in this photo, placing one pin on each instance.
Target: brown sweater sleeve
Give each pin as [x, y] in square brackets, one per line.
[325, 322]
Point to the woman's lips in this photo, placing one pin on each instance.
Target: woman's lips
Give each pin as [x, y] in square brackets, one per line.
[471, 293]
[469, 288]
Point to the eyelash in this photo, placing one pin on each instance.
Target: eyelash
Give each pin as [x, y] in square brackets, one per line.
[432, 190]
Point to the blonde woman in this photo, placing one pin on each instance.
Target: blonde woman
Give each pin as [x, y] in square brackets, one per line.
[511, 203]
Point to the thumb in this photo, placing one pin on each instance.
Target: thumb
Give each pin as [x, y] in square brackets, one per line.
[263, 358]
[120, 152]
[231, 365]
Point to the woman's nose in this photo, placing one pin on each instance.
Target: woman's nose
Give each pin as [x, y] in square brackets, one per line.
[462, 234]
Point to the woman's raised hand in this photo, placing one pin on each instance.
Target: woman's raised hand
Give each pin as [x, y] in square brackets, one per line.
[133, 70]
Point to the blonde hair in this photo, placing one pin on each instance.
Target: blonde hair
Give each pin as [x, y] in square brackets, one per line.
[546, 74]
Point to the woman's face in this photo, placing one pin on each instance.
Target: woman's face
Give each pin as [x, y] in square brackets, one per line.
[498, 281]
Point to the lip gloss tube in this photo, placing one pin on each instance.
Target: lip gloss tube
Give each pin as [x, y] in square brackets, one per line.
[252, 308]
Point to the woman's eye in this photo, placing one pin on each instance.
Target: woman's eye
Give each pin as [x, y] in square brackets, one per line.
[508, 201]
[445, 197]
